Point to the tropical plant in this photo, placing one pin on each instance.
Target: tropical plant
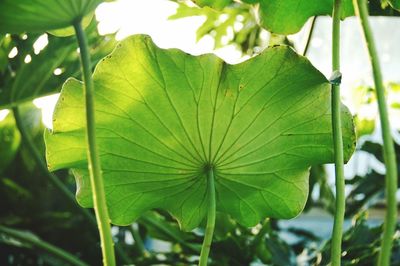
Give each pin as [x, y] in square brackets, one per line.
[155, 136]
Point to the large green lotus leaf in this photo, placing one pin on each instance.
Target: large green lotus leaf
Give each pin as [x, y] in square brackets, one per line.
[289, 16]
[162, 116]
[18, 16]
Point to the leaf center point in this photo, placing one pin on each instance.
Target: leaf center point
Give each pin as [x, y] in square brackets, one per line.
[207, 167]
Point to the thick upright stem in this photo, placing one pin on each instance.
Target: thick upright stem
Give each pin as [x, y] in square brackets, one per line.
[211, 213]
[336, 248]
[361, 10]
[96, 180]
[45, 246]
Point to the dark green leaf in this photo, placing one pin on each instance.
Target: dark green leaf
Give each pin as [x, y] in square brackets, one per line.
[158, 227]
[27, 81]
[9, 141]
[395, 4]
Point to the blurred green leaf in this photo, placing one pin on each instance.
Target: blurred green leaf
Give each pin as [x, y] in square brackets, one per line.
[281, 253]
[9, 240]
[364, 126]
[377, 150]
[217, 4]
[395, 4]
[158, 227]
[20, 84]
[394, 87]
[29, 239]
[395, 105]
[13, 187]
[5, 48]
[362, 96]
[224, 226]
[289, 16]
[9, 141]
[360, 244]
[234, 24]
[238, 249]
[37, 206]
[365, 192]
[319, 182]
[18, 16]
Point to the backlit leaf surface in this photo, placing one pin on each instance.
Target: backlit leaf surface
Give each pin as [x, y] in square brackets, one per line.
[289, 16]
[162, 116]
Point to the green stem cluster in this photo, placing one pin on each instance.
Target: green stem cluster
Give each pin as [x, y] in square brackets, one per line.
[138, 240]
[336, 248]
[43, 245]
[96, 180]
[211, 215]
[361, 10]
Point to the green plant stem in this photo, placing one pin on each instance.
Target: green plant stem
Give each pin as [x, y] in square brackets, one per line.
[55, 181]
[361, 10]
[266, 228]
[336, 246]
[211, 214]
[43, 245]
[138, 240]
[309, 35]
[96, 180]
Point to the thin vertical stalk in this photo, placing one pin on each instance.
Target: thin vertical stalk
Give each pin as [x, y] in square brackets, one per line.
[96, 179]
[138, 240]
[389, 156]
[336, 246]
[43, 245]
[211, 214]
[309, 35]
[265, 229]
